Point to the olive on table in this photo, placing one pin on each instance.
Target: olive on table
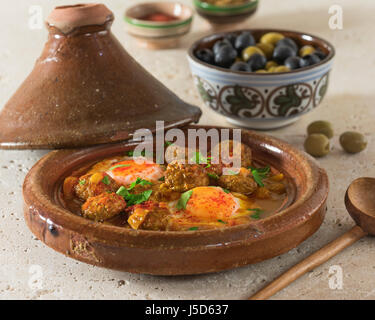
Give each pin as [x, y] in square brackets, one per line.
[267, 49]
[281, 53]
[353, 142]
[289, 43]
[309, 60]
[249, 51]
[293, 62]
[271, 38]
[241, 66]
[257, 61]
[244, 40]
[225, 56]
[219, 44]
[305, 50]
[206, 55]
[317, 145]
[321, 126]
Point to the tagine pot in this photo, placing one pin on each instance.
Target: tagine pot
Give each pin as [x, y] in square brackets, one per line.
[85, 89]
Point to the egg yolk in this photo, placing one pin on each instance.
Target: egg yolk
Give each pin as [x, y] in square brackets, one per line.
[211, 204]
[127, 171]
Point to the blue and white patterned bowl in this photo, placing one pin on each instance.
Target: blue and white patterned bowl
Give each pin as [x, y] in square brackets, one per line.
[262, 100]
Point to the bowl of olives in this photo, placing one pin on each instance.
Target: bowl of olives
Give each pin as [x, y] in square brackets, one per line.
[219, 12]
[261, 79]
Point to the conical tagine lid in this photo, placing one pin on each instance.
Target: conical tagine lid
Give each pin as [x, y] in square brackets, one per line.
[85, 89]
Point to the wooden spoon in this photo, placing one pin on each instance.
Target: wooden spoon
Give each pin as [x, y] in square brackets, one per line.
[360, 203]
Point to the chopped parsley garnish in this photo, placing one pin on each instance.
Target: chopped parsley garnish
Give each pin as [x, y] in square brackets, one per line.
[132, 199]
[232, 173]
[119, 166]
[259, 174]
[213, 175]
[106, 181]
[221, 221]
[140, 182]
[168, 143]
[199, 159]
[181, 204]
[257, 213]
[226, 190]
[162, 179]
[193, 228]
[82, 182]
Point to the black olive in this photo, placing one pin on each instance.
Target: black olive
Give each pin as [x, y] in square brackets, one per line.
[289, 43]
[231, 37]
[244, 40]
[225, 56]
[240, 66]
[293, 62]
[206, 55]
[219, 44]
[320, 54]
[309, 60]
[281, 53]
[257, 61]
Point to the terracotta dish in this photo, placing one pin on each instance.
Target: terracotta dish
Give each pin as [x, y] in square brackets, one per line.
[85, 89]
[175, 252]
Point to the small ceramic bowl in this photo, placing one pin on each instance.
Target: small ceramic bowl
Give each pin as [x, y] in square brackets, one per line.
[262, 100]
[226, 14]
[175, 252]
[158, 34]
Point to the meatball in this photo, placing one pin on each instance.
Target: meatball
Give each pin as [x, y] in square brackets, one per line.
[160, 192]
[149, 215]
[91, 185]
[103, 206]
[240, 182]
[243, 150]
[182, 177]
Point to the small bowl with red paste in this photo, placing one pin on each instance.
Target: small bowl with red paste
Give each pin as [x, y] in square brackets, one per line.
[158, 25]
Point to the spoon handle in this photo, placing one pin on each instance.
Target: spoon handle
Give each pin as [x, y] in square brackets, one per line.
[310, 263]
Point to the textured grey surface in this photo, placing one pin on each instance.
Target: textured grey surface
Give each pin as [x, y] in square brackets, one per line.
[29, 269]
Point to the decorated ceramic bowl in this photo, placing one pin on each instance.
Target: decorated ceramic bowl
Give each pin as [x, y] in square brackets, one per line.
[217, 14]
[262, 100]
[158, 25]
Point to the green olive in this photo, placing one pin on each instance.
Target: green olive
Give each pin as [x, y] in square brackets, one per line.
[353, 142]
[305, 50]
[317, 145]
[323, 127]
[280, 69]
[271, 64]
[271, 38]
[249, 51]
[267, 49]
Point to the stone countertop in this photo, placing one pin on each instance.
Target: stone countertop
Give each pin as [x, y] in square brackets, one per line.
[30, 270]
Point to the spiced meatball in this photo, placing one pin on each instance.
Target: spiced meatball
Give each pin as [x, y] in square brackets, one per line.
[242, 182]
[103, 206]
[182, 177]
[160, 192]
[91, 185]
[149, 215]
[241, 150]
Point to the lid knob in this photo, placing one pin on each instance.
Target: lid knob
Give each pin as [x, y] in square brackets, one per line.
[68, 18]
